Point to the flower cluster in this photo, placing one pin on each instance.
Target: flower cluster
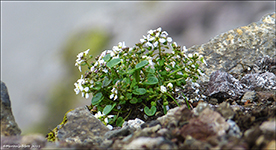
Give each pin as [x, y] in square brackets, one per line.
[142, 76]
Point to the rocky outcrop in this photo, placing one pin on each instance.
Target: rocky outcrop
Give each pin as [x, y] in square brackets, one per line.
[238, 49]
[8, 125]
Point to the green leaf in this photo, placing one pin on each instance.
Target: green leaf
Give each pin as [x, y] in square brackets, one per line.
[141, 64]
[97, 98]
[151, 111]
[161, 62]
[150, 70]
[106, 57]
[113, 62]
[134, 100]
[108, 108]
[151, 81]
[106, 82]
[139, 91]
[129, 95]
[120, 121]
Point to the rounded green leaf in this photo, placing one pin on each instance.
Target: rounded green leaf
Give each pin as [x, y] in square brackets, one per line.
[120, 121]
[113, 62]
[141, 64]
[97, 98]
[151, 111]
[107, 109]
[106, 82]
[106, 57]
[139, 91]
[151, 81]
[134, 100]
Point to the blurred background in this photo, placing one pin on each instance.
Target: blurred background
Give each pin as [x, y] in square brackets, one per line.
[40, 41]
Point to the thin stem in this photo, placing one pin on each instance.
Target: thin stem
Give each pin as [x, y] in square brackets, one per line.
[173, 99]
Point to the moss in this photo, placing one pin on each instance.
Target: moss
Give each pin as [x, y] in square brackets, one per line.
[52, 135]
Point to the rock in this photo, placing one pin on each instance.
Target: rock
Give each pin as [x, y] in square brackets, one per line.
[223, 85]
[249, 96]
[133, 124]
[150, 143]
[265, 63]
[234, 129]
[233, 50]
[32, 141]
[8, 125]
[82, 127]
[259, 81]
[175, 117]
[225, 110]
[268, 126]
[209, 123]
[117, 133]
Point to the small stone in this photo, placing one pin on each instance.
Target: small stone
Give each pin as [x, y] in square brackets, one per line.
[133, 124]
[223, 85]
[259, 81]
[268, 126]
[249, 96]
[225, 110]
[117, 133]
[208, 123]
[234, 129]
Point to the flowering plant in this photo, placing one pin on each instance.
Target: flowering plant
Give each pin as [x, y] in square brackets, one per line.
[143, 76]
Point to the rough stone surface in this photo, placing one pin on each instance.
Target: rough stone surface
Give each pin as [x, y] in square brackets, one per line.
[242, 46]
[259, 81]
[249, 96]
[32, 141]
[223, 85]
[208, 123]
[8, 125]
[82, 127]
[133, 124]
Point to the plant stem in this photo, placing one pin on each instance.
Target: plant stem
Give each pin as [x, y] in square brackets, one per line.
[173, 99]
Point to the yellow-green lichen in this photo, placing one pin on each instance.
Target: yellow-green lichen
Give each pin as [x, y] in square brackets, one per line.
[52, 135]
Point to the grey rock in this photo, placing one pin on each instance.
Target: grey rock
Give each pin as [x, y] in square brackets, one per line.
[249, 96]
[150, 143]
[225, 110]
[269, 126]
[242, 46]
[133, 124]
[223, 85]
[8, 125]
[116, 133]
[5, 98]
[31, 141]
[234, 129]
[259, 81]
[82, 128]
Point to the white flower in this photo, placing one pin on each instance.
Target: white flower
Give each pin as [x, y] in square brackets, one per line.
[159, 29]
[155, 44]
[111, 96]
[172, 63]
[98, 115]
[110, 127]
[169, 39]
[164, 34]
[163, 89]
[190, 55]
[184, 49]
[86, 95]
[170, 85]
[142, 40]
[162, 40]
[150, 31]
[86, 89]
[78, 85]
